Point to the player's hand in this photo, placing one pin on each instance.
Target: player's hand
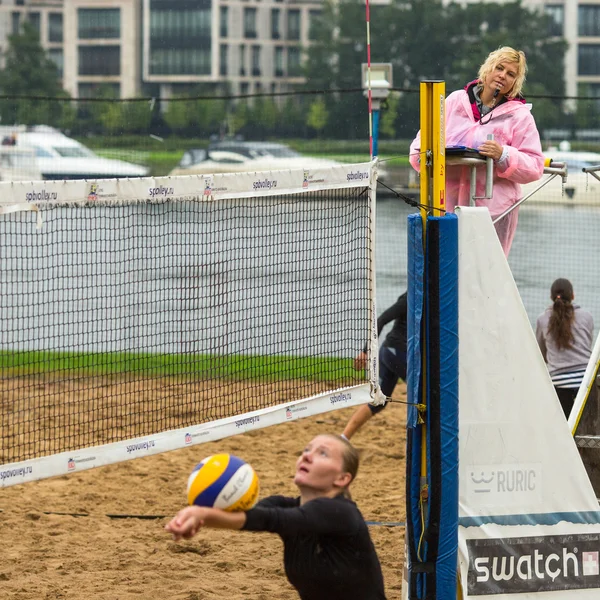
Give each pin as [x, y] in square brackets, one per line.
[186, 523]
[491, 148]
[360, 362]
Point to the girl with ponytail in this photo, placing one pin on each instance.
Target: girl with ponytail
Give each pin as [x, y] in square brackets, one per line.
[564, 332]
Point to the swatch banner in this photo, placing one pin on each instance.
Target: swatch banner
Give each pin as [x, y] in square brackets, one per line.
[533, 564]
[529, 521]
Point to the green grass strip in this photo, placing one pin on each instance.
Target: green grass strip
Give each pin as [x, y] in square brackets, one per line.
[163, 365]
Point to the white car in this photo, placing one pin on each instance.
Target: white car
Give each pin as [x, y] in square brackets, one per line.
[236, 157]
[18, 164]
[579, 188]
[61, 157]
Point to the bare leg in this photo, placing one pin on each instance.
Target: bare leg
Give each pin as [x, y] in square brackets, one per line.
[357, 420]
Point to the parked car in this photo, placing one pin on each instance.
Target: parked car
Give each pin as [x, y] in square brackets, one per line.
[579, 188]
[236, 156]
[61, 157]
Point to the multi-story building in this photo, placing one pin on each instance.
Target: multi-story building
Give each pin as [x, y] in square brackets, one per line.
[45, 15]
[251, 45]
[578, 22]
[163, 47]
[102, 47]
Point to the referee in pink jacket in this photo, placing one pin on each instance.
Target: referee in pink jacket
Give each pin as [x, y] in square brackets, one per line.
[492, 104]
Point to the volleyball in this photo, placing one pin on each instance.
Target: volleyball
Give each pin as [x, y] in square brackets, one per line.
[223, 481]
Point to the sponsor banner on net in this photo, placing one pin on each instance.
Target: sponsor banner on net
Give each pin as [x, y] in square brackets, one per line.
[36, 194]
[161, 191]
[270, 183]
[340, 398]
[247, 185]
[214, 185]
[292, 412]
[360, 176]
[15, 474]
[42, 192]
[98, 192]
[74, 462]
[157, 190]
[248, 422]
[533, 564]
[190, 436]
[503, 485]
[140, 447]
[311, 178]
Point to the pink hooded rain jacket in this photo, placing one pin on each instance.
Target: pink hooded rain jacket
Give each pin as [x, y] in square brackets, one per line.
[514, 128]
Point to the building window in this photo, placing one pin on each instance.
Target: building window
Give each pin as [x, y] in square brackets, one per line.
[180, 38]
[588, 18]
[556, 12]
[256, 61]
[244, 88]
[99, 23]
[250, 22]
[293, 25]
[278, 61]
[180, 61]
[242, 56]
[224, 21]
[588, 59]
[99, 60]
[34, 19]
[313, 22]
[55, 27]
[179, 28]
[223, 55]
[275, 23]
[56, 56]
[15, 23]
[294, 69]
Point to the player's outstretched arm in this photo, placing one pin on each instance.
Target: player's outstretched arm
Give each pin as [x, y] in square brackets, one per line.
[188, 521]
[360, 361]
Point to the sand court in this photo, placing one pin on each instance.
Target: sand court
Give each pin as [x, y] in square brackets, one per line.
[118, 549]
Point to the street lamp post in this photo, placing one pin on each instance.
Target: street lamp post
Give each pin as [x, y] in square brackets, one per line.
[376, 82]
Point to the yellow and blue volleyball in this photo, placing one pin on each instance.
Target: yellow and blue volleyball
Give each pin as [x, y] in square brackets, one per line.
[223, 481]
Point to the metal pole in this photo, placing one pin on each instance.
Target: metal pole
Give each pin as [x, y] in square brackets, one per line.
[375, 129]
[473, 185]
[489, 181]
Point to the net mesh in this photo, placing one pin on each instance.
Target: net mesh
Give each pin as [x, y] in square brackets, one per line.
[119, 321]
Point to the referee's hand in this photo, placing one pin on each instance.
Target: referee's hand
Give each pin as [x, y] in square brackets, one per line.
[360, 362]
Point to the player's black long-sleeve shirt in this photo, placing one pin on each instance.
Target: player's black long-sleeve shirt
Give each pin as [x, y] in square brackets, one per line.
[328, 552]
[397, 336]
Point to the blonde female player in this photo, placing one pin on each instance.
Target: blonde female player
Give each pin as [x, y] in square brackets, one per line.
[328, 552]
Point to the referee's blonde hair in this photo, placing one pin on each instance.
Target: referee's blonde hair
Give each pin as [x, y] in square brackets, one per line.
[505, 54]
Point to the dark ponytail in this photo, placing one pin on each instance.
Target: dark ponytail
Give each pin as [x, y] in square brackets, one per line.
[563, 314]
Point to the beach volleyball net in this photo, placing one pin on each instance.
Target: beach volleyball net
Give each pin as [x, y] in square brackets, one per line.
[144, 315]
